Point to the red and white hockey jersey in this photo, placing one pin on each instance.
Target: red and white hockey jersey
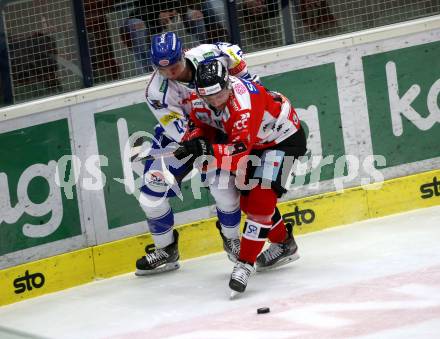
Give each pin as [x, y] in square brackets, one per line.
[169, 100]
[254, 118]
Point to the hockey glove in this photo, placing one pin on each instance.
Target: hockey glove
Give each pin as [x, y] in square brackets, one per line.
[195, 147]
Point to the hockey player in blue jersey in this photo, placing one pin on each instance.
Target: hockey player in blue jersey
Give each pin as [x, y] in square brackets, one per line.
[167, 95]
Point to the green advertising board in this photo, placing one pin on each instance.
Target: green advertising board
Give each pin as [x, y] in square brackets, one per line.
[33, 208]
[402, 89]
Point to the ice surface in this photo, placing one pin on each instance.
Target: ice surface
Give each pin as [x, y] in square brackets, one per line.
[374, 279]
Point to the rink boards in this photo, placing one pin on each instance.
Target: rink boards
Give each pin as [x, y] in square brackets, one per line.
[201, 238]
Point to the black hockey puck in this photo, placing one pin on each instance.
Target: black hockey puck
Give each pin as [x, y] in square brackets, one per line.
[263, 310]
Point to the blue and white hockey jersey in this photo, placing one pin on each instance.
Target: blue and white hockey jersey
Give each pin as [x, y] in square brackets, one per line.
[169, 99]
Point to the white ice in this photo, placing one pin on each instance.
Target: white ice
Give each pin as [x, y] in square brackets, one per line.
[374, 279]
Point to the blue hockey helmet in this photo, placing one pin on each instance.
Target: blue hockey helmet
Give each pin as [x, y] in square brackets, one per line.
[166, 49]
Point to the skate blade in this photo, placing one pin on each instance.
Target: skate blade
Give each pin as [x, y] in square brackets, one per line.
[232, 258]
[282, 262]
[164, 268]
[234, 295]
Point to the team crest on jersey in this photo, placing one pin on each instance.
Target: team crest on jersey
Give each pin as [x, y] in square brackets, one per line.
[240, 88]
[155, 178]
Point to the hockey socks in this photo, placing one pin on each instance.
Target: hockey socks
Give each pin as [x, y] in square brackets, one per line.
[161, 229]
[252, 241]
[229, 222]
[278, 232]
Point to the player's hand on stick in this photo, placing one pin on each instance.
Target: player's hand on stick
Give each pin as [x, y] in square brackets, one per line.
[195, 147]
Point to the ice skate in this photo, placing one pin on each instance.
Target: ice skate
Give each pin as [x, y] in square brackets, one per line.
[159, 260]
[278, 254]
[240, 276]
[231, 246]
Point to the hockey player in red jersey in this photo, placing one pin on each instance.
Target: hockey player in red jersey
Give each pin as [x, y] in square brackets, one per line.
[259, 123]
[168, 92]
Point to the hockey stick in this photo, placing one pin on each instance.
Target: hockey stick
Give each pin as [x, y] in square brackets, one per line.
[150, 157]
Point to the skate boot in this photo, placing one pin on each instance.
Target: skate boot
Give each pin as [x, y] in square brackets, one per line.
[240, 276]
[278, 254]
[159, 260]
[231, 246]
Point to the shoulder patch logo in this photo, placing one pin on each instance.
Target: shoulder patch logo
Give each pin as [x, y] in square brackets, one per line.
[240, 88]
[251, 87]
[234, 56]
[208, 55]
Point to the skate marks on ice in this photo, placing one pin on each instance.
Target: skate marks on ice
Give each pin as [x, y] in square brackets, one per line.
[371, 307]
